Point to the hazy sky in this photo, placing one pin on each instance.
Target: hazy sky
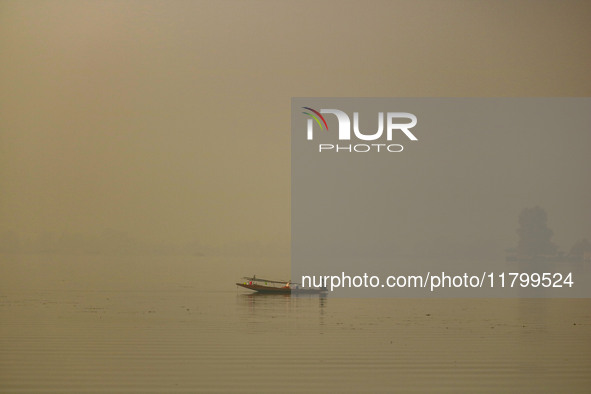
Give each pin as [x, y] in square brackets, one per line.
[170, 120]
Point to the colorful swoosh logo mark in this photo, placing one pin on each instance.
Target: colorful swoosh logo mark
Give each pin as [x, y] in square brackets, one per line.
[315, 115]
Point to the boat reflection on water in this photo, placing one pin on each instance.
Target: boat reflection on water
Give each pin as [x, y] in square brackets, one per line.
[284, 305]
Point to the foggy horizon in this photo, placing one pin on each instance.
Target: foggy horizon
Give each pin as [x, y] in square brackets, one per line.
[163, 125]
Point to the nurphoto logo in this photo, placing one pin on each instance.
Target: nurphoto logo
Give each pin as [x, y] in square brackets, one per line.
[396, 122]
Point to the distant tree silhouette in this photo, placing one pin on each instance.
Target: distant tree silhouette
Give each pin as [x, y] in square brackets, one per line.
[534, 234]
[580, 247]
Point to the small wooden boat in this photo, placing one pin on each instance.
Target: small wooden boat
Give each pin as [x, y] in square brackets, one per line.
[267, 286]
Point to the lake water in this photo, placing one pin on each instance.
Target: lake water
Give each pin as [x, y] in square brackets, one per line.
[170, 325]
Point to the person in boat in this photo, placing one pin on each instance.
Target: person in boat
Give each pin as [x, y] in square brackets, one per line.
[287, 285]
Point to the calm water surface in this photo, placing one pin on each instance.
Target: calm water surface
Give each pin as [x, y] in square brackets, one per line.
[80, 324]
